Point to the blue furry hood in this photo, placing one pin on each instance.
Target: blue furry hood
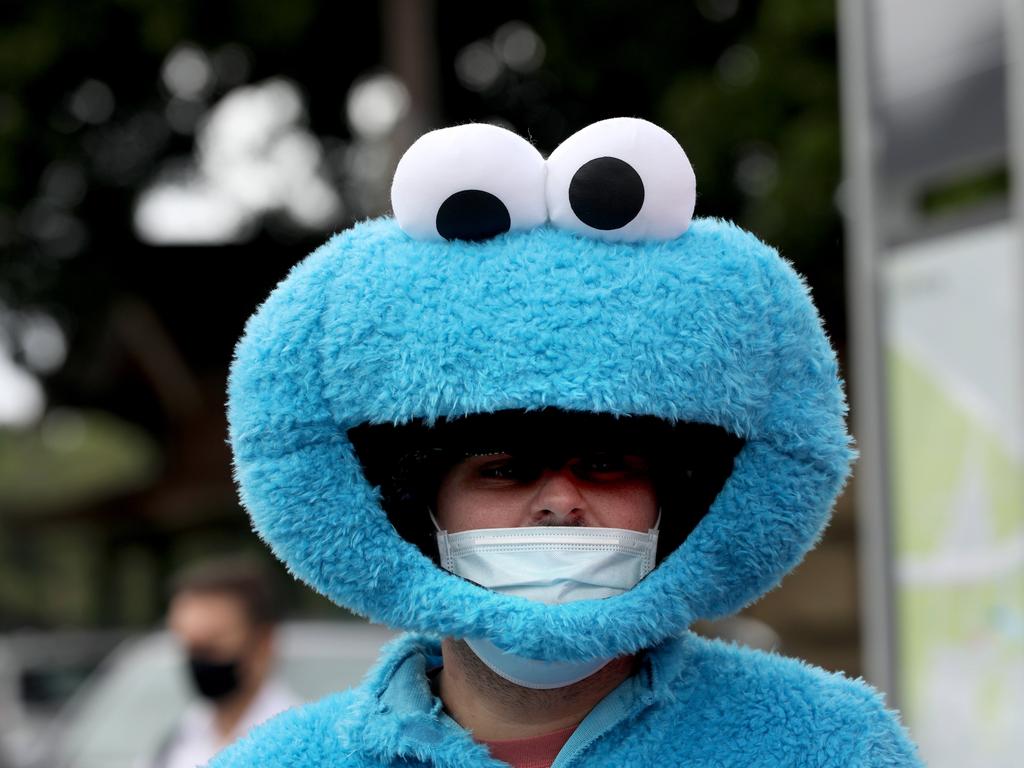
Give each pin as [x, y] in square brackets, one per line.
[374, 327]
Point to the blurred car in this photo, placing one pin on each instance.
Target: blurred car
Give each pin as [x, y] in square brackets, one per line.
[39, 671]
[119, 718]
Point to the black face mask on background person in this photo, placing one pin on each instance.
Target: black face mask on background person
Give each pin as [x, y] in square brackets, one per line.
[214, 680]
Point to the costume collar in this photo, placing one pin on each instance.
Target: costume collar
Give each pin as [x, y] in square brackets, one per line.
[403, 717]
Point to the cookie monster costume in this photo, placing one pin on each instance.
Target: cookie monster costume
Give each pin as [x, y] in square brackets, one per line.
[511, 284]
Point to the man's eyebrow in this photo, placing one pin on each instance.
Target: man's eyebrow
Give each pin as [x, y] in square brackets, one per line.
[485, 454]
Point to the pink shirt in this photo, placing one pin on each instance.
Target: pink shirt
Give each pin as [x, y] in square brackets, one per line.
[536, 752]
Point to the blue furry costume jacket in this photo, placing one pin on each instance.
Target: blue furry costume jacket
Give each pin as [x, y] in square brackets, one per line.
[579, 283]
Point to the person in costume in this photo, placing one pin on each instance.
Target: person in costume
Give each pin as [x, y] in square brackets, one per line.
[544, 420]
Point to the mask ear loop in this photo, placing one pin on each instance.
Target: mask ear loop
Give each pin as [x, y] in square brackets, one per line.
[652, 553]
[442, 543]
[438, 527]
[654, 529]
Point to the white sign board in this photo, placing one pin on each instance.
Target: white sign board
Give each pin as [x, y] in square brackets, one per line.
[953, 334]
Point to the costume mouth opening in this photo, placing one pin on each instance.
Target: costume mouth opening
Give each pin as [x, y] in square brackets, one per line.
[689, 462]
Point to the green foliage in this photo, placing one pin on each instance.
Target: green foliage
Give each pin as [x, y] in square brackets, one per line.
[963, 193]
[73, 459]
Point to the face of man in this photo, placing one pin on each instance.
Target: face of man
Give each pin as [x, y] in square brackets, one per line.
[602, 489]
[226, 651]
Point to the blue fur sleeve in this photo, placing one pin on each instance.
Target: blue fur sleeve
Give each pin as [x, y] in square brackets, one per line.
[888, 745]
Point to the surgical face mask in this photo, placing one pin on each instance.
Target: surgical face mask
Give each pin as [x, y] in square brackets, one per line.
[550, 565]
[214, 680]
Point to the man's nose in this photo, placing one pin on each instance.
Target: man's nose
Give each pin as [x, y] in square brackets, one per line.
[557, 500]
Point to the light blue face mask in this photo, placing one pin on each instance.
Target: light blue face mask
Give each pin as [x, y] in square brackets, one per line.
[551, 565]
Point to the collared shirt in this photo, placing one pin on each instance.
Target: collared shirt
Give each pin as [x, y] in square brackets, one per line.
[533, 752]
[409, 721]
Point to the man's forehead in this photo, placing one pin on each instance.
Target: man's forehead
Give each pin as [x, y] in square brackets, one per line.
[221, 604]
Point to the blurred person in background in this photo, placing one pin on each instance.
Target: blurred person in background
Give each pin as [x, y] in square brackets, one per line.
[223, 613]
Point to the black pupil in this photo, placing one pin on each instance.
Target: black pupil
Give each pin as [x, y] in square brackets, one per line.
[606, 193]
[472, 214]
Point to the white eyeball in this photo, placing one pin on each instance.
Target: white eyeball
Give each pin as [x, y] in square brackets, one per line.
[470, 182]
[622, 179]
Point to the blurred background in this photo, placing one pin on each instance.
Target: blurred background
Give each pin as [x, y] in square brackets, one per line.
[163, 165]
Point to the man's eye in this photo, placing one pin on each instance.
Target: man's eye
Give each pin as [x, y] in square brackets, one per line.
[603, 464]
[610, 466]
[509, 468]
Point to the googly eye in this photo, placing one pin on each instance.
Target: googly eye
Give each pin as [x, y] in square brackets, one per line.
[622, 179]
[470, 182]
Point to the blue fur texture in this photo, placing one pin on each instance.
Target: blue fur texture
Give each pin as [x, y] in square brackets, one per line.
[694, 702]
[711, 327]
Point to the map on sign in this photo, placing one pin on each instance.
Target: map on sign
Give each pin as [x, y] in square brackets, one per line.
[954, 345]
